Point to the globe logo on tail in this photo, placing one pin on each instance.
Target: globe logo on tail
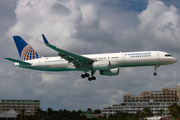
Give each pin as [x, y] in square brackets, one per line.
[29, 54]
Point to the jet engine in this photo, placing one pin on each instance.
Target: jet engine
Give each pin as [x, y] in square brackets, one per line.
[111, 72]
[101, 65]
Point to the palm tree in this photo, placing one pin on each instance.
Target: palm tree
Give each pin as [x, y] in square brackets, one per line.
[22, 114]
[160, 112]
[138, 112]
[142, 115]
[174, 110]
[40, 114]
[147, 111]
[50, 112]
[89, 110]
[97, 111]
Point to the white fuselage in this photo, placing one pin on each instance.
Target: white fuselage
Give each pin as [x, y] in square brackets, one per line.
[122, 59]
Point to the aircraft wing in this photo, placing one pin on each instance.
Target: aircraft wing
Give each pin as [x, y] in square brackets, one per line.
[78, 60]
[18, 61]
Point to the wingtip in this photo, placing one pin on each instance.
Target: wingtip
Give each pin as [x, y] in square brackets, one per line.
[45, 40]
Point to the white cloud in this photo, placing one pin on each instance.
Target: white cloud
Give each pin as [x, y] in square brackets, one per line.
[115, 98]
[40, 93]
[129, 71]
[160, 23]
[178, 83]
[89, 16]
[36, 17]
[52, 78]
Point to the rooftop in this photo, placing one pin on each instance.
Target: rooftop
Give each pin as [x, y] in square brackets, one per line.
[20, 99]
[155, 91]
[9, 113]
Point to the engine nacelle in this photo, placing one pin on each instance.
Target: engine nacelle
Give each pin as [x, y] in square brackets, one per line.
[111, 72]
[101, 65]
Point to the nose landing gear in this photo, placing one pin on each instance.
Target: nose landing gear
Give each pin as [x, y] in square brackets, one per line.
[155, 70]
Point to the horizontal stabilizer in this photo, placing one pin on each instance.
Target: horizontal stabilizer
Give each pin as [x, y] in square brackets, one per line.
[18, 61]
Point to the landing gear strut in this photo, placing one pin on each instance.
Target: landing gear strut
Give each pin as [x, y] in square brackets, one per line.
[155, 69]
[87, 75]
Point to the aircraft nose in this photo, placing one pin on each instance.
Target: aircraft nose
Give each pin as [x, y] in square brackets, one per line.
[174, 60]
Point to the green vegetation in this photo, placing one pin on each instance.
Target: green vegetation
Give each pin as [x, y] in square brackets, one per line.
[146, 112]
[174, 111]
[50, 114]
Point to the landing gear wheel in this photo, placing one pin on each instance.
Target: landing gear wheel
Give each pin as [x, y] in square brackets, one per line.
[154, 73]
[90, 78]
[83, 76]
[94, 78]
[87, 75]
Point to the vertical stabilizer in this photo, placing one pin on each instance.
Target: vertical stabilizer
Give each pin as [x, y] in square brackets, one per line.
[26, 52]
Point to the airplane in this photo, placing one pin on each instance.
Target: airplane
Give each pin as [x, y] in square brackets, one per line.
[107, 64]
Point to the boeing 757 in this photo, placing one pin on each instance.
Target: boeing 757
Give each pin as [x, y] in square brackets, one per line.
[107, 64]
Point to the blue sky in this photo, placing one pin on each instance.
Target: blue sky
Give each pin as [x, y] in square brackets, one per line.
[84, 27]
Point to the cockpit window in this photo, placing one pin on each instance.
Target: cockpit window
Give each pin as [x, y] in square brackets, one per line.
[168, 55]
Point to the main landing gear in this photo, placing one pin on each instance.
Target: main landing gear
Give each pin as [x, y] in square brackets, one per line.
[88, 76]
[155, 70]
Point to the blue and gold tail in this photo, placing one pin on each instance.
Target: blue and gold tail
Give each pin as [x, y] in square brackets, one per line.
[26, 52]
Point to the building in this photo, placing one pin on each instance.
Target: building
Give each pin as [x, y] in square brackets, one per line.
[29, 106]
[90, 116]
[165, 95]
[9, 115]
[156, 100]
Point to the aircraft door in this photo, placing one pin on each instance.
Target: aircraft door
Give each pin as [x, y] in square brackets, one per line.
[122, 56]
[39, 62]
[158, 56]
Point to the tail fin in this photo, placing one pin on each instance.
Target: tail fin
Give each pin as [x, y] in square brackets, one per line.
[26, 52]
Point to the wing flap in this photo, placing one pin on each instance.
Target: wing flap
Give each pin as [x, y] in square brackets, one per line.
[18, 61]
[78, 60]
